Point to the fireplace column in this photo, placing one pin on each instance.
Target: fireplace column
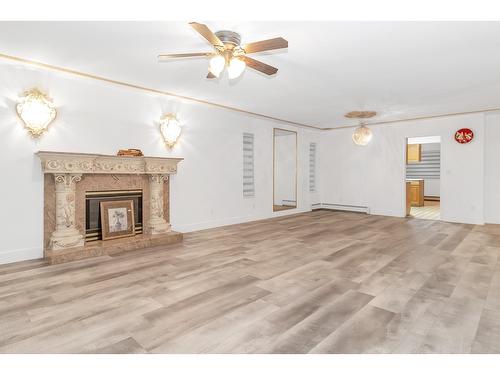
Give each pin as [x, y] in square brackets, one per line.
[157, 222]
[66, 235]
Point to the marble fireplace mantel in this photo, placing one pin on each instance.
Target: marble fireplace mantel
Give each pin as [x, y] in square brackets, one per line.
[69, 168]
[68, 162]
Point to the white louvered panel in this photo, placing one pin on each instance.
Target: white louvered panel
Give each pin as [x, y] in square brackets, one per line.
[248, 165]
[428, 168]
[312, 167]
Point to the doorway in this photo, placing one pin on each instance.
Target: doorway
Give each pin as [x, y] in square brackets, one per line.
[423, 177]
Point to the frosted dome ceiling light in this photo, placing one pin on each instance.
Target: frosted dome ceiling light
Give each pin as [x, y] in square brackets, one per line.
[217, 64]
[235, 68]
[36, 112]
[362, 136]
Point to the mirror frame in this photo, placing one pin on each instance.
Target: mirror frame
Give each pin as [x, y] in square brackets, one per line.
[296, 166]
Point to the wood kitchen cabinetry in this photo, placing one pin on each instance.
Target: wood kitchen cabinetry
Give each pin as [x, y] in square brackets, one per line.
[413, 154]
[415, 193]
[408, 198]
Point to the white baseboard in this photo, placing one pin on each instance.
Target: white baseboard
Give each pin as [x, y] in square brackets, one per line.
[233, 220]
[17, 255]
[341, 207]
[462, 220]
[367, 210]
[391, 213]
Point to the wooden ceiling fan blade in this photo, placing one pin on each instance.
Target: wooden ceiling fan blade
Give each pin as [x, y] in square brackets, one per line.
[207, 34]
[168, 56]
[260, 66]
[266, 45]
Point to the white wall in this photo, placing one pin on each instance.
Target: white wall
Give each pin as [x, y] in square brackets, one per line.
[373, 175]
[431, 187]
[97, 117]
[492, 168]
[285, 160]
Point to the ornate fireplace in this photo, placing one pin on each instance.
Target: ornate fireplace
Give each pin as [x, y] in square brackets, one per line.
[71, 179]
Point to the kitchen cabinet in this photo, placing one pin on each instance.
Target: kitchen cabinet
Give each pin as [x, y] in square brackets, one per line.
[416, 192]
[413, 154]
[408, 197]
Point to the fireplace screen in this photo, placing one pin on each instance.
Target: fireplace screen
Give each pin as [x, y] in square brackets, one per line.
[93, 214]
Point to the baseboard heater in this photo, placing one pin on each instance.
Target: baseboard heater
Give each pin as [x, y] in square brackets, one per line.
[340, 207]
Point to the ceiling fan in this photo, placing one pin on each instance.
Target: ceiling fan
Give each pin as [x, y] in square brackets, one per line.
[229, 52]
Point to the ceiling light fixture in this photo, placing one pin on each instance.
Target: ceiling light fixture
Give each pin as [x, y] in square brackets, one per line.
[235, 68]
[170, 129]
[362, 135]
[36, 111]
[228, 51]
[216, 65]
[360, 114]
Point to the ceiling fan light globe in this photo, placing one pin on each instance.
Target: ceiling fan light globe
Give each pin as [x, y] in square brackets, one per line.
[235, 68]
[216, 65]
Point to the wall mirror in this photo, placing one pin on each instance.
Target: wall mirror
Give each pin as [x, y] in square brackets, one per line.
[285, 169]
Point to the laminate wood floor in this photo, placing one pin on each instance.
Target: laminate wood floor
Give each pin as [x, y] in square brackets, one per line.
[319, 282]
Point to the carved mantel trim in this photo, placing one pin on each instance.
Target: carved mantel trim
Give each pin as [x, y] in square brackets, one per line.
[68, 162]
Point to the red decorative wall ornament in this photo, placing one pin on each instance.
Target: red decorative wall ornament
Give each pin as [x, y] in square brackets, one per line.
[464, 135]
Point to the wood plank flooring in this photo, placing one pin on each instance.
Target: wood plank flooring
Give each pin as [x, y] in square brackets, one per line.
[320, 282]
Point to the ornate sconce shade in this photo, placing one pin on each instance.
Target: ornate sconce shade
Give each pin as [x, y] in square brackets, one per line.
[362, 136]
[36, 112]
[170, 129]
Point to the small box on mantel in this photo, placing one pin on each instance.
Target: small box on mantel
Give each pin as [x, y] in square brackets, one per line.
[130, 152]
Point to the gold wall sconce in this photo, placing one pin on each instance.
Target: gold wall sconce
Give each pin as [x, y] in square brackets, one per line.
[36, 111]
[170, 129]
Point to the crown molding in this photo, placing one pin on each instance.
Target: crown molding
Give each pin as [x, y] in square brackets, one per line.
[150, 90]
[222, 106]
[396, 121]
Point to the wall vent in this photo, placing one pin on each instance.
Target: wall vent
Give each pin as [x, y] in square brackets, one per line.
[312, 167]
[248, 165]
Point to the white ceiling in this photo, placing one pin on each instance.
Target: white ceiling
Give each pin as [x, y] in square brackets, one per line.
[399, 69]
